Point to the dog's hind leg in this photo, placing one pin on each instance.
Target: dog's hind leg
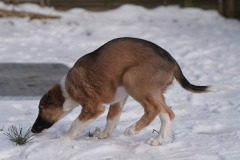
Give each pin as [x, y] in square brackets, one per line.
[166, 116]
[86, 116]
[140, 88]
[112, 119]
[151, 110]
[164, 130]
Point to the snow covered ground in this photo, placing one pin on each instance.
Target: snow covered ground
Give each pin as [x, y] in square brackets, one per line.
[206, 45]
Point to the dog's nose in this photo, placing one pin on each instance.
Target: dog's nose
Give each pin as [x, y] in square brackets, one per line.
[33, 130]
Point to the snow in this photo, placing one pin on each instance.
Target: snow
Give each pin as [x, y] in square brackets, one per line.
[205, 44]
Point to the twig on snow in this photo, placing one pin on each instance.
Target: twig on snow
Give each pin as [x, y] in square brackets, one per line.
[155, 131]
[90, 134]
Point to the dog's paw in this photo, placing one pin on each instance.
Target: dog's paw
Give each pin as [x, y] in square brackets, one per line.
[130, 131]
[65, 136]
[101, 135]
[154, 141]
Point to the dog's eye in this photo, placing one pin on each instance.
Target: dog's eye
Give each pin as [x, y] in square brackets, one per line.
[40, 110]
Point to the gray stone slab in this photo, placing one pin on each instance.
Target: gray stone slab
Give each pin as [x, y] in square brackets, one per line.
[29, 80]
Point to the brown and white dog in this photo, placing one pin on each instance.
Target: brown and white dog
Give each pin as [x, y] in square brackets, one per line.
[120, 68]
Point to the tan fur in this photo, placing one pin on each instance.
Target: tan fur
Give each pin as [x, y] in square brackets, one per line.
[151, 109]
[114, 110]
[88, 113]
[167, 109]
[52, 115]
[51, 104]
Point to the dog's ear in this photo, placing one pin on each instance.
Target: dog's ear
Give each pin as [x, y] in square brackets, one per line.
[57, 96]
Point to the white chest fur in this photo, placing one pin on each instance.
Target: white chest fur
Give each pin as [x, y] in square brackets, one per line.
[69, 103]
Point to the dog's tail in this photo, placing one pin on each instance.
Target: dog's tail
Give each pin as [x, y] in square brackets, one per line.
[196, 89]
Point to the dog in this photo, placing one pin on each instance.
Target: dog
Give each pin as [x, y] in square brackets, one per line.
[120, 68]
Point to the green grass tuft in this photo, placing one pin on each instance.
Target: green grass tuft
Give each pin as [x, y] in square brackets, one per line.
[16, 135]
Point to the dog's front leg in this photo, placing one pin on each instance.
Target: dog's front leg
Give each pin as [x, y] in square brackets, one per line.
[86, 116]
[76, 128]
[112, 119]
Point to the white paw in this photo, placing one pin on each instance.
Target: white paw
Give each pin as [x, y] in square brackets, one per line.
[65, 136]
[154, 142]
[101, 135]
[130, 131]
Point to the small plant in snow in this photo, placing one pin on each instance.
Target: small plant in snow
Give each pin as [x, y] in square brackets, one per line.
[16, 135]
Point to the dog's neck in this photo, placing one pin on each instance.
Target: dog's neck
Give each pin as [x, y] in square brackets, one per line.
[69, 103]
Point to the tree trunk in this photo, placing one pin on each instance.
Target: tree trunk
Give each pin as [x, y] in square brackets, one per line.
[226, 7]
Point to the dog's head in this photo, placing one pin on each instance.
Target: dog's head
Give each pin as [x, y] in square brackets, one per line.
[50, 109]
